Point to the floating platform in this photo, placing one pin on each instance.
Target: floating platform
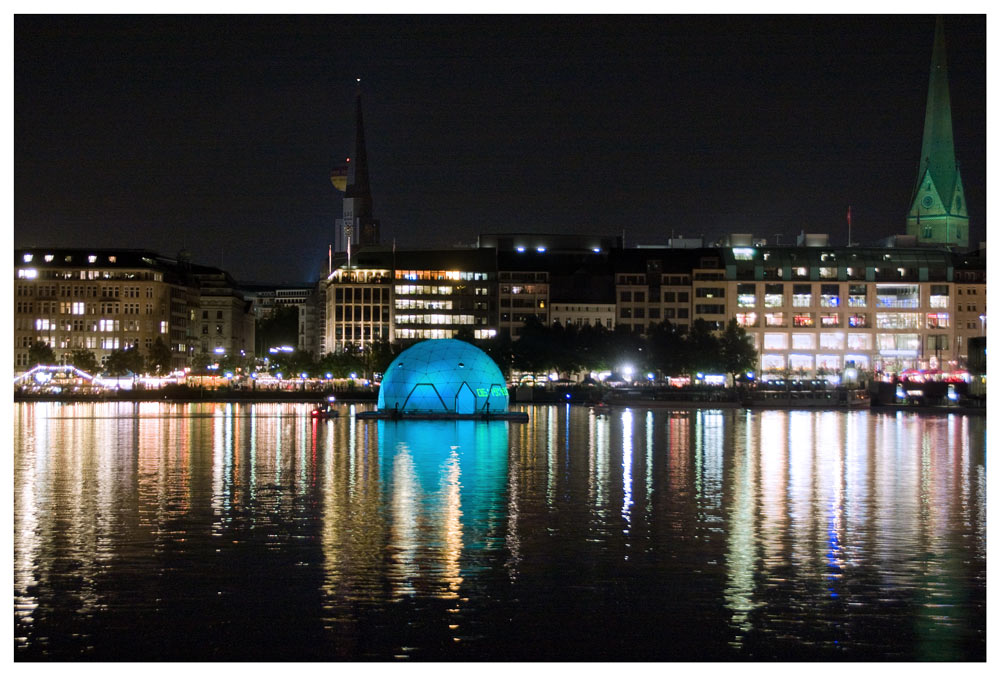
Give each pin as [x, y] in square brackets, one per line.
[509, 416]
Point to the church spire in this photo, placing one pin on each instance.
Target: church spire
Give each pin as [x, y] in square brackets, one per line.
[937, 210]
[357, 227]
[357, 178]
[937, 153]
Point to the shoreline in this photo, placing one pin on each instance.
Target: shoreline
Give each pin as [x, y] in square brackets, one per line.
[208, 397]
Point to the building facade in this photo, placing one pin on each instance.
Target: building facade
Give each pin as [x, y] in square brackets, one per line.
[810, 311]
[225, 318]
[101, 300]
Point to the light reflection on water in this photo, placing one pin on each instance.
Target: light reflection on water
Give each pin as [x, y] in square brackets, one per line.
[235, 531]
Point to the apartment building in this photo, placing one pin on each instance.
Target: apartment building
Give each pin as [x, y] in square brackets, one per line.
[100, 300]
[359, 302]
[225, 318]
[436, 294]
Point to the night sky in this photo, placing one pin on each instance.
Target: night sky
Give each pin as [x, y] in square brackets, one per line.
[218, 134]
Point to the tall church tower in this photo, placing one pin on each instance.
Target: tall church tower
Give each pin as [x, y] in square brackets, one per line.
[357, 228]
[938, 213]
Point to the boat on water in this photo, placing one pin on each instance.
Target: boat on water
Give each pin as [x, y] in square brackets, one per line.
[324, 410]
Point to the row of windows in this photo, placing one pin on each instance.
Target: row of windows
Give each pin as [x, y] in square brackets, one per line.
[370, 332]
[528, 288]
[361, 295]
[653, 313]
[439, 319]
[888, 344]
[452, 275]
[80, 308]
[130, 275]
[361, 313]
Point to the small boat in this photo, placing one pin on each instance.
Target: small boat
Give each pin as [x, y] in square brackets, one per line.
[600, 408]
[324, 410]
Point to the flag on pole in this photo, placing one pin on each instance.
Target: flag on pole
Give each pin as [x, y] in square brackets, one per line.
[849, 242]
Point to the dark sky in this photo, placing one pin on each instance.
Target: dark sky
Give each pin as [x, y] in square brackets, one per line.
[217, 134]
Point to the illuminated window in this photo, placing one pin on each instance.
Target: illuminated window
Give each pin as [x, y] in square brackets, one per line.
[857, 321]
[800, 363]
[746, 319]
[28, 273]
[28, 258]
[163, 327]
[897, 320]
[939, 320]
[803, 341]
[828, 362]
[801, 295]
[803, 319]
[901, 344]
[774, 295]
[772, 362]
[831, 341]
[829, 320]
[897, 296]
[775, 341]
[774, 319]
[829, 295]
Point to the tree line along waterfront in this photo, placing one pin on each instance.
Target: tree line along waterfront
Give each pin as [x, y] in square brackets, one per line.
[570, 352]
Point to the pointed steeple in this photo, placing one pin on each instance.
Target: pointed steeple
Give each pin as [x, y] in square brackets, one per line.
[937, 153]
[937, 208]
[358, 186]
[357, 228]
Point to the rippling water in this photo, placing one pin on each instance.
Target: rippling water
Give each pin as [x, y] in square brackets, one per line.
[249, 532]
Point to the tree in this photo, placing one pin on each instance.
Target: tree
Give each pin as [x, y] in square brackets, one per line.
[84, 360]
[281, 327]
[701, 348]
[159, 357]
[737, 352]
[41, 353]
[124, 361]
[668, 353]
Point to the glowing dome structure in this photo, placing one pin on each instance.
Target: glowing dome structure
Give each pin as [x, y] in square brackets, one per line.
[443, 376]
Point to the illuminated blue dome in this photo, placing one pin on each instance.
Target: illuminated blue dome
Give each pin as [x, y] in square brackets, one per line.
[443, 376]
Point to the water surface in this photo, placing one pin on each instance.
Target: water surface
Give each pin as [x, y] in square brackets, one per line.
[161, 531]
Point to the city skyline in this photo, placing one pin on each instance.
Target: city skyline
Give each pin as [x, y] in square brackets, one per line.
[218, 134]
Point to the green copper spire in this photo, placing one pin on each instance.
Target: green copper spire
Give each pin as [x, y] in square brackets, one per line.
[937, 210]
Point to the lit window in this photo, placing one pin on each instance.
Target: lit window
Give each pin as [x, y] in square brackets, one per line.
[775, 341]
[831, 341]
[28, 258]
[91, 259]
[803, 341]
[859, 341]
[48, 258]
